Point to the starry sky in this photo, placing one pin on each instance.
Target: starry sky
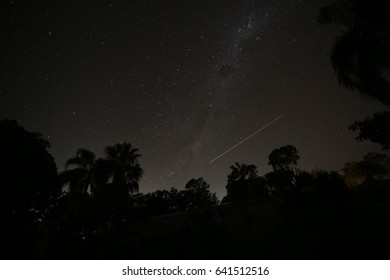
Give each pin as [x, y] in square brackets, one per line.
[183, 81]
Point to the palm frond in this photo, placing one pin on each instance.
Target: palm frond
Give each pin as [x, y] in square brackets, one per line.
[76, 179]
[75, 161]
[87, 156]
[84, 158]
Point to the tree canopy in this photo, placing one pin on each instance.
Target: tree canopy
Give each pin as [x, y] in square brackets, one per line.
[27, 170]
[243, 182]
[197, 194]
[374, 129]
[284, 157]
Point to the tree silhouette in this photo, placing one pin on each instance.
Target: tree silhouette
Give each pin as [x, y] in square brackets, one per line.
[178, 200]
[28, 172]
[374, 129]
[124, 168]
[80, 177]
[99, 201]
[283, 158]
[360, 56]
[197, 194]
[159, 202]
[28, 176]
[244, 183]
[99, 217]
[278, 180]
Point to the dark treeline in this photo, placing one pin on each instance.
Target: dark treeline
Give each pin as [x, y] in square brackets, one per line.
[94, 208]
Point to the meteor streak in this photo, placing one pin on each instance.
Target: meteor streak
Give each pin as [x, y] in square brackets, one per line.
[250, 136]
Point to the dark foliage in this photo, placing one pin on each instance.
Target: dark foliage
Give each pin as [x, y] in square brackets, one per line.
[125, 170]
[80, 178]
[244, 183]
[197, 195]
[284, 157]
[28, 176]
[360, 56]
[286, 213]
[374, 129]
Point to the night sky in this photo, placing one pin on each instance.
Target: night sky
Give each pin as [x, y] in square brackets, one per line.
[183, 81]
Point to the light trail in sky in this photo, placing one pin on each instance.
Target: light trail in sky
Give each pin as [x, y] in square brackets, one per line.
[247, 138]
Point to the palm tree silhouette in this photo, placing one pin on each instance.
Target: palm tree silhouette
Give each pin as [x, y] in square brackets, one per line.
[360, 55]
[124, 168]
[80, 178]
